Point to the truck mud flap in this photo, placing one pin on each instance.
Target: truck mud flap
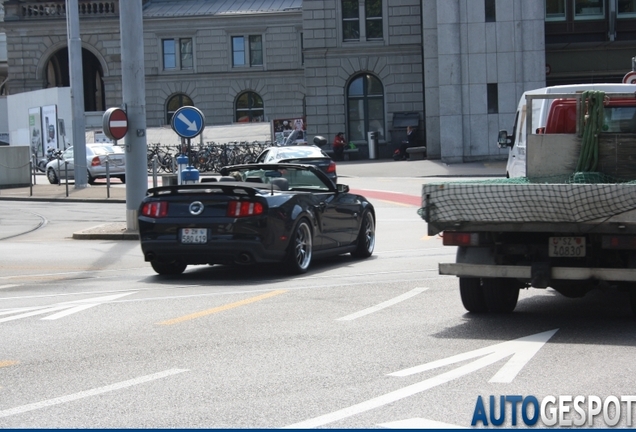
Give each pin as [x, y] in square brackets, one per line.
[525, 272]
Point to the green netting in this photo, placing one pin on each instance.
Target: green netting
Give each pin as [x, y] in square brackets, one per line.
[576, 178]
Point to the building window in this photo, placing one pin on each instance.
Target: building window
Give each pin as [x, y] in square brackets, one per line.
[250, 53]
[589, 9]
[365, 107]
[491, 15]
[174, 103]
[555, 10]
[373, 16]
[626, 8]
[370, 13]
[493, 98]
[177, 54]
[249, 108]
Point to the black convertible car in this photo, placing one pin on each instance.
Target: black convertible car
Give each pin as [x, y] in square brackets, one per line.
[255, 213]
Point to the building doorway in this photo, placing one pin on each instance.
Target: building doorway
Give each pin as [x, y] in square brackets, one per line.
[57, 75]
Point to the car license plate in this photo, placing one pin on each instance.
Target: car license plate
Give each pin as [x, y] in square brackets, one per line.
[194, 235]
[567, 247]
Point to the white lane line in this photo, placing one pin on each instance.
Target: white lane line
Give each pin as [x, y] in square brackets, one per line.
[419, 423]
[8, 286]
[383, 305]
[89, 393]
[66, 308]
[85, 304]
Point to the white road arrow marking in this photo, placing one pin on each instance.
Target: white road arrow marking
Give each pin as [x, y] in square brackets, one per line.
[383, 305]
[192, 125]
[88, 393]
[419, 423]
[522, 350]
[67, 308]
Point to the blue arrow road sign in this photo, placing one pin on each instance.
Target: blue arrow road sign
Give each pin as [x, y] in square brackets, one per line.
[188, 122]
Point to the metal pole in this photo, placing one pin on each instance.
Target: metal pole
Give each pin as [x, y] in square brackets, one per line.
[134, 98]
[66, 176]
[154, 171]
[107, 177]
[77, 91]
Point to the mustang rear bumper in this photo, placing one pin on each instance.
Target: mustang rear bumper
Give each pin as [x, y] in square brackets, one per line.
[215, 252]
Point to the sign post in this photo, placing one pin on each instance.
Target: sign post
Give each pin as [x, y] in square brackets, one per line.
[188, 122]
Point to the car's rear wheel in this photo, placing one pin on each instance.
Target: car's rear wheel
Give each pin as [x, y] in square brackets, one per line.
[52, 177]
[366, 236]
[300, 249]
[168, 268]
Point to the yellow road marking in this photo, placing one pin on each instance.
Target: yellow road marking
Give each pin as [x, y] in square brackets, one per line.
[221, 308]
[8, 363]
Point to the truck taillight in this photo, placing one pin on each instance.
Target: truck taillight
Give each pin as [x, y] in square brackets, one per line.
[452, 238]
[619, 242]
[244, 208]
[155, 209]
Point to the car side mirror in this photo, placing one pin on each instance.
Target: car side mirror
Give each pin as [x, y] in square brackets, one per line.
[342, 188]
[503, 140]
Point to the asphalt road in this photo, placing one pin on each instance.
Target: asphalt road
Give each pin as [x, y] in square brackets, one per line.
[92, 337]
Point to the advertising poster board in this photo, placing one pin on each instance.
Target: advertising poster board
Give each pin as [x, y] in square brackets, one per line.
[290, 131]
[35, 132]
[49, 126]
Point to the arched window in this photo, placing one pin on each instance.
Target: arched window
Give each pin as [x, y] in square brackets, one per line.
[365, 107]
[249, 108]
[174, 103]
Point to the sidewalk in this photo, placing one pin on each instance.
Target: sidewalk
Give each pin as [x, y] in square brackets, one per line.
[98, 193]
[43, 191]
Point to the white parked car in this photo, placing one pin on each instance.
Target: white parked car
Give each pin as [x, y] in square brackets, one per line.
[96, 156]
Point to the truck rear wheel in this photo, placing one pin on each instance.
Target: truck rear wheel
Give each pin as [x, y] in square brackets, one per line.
[500, 295]
[472, 294]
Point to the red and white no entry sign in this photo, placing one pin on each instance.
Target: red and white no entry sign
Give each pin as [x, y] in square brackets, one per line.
[630, 78]
[115, 123]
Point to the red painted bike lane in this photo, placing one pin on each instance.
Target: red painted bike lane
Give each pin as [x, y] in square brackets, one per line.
[390, 196]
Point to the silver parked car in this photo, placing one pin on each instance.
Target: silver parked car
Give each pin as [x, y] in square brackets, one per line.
[96, 156]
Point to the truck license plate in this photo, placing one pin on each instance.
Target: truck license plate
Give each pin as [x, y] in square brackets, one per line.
[566, 247]
[194, 235]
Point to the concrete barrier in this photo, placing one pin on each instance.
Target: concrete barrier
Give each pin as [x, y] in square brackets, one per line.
[15, 168]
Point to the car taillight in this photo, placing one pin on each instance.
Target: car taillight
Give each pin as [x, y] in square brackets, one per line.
[155, 209]
[619, 242]
[332, 167]
[452, 238]
[96, 161]
[244, 208]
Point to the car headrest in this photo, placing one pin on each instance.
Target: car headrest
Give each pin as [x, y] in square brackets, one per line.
[254, 179]
[280, 182]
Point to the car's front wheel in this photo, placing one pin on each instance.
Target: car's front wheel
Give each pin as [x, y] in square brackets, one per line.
[366, 236]
[52, 177]
[300, 249]
[168, 268]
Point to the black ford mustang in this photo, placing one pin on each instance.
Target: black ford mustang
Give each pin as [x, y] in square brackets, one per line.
[255, 213]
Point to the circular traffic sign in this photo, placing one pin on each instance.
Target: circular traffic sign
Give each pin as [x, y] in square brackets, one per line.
[630, 78]
[115, 123]
[188, 122]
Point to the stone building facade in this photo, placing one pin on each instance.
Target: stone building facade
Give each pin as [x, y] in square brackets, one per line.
[454, 67]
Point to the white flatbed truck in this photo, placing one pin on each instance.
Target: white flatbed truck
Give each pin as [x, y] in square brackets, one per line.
[556, 227]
